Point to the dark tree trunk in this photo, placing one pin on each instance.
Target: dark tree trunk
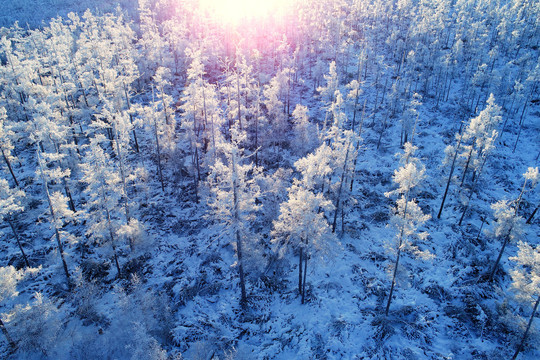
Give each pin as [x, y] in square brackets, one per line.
[10, 221]
[6, 334]
[520, 347]
[532, 215]
[304, 282]
[243, 300]
[53, 215]
[393, 282]
[10, 169]
[449, 178]
[300, 258]
[492, 274]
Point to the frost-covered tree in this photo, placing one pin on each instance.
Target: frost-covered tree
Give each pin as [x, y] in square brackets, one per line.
[120, 127]
[474, 146]
[303, 227]
[410, 118]
[153, 44]
[408, 216]
[479, 138]
[526, 282]
[50, 132]
[104, 192]
[37, 326]
[532, 177]
[304, 131]
[275, 102]
[316, 168]
[11, 204]
[9, 277]
[232, 182]
[141, 322]
[201, 117]
[59, 212]
[509, 225]
[162, 130]
[6, 143]
[327, 92]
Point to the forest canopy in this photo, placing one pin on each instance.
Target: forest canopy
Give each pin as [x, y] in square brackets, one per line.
[320, 179]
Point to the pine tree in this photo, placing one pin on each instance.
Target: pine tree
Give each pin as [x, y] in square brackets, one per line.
[9, 277]
[10, 204]
[120, 128]
[233, 197]
[275, 102]
[159, 121]
[6, 144]
[479, 137]
[58, 210]
[509, 225]
[408, 216]
[303, 130]
[201, 117]
[526, 281]
[327, 92]
[303, 227]
[104, 193]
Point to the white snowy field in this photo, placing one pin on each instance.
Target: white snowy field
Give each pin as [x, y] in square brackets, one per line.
[179, 293]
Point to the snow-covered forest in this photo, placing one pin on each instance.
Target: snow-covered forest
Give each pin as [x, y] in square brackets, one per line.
[317, 179]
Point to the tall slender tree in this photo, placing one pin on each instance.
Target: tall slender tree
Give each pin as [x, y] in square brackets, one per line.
[233, 198]
[526, 282]
[408, 216]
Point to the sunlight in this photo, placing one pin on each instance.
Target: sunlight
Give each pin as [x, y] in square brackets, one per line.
[233, 12]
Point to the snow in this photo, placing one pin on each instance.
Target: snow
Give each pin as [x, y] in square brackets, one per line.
[186, 298]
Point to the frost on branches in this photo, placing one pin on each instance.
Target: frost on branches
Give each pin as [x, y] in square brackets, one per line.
[526, 282]
[408, 216]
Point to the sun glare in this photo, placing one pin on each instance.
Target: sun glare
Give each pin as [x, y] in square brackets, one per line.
[236, 11]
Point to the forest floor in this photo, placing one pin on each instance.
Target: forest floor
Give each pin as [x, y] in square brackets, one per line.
[440, 306]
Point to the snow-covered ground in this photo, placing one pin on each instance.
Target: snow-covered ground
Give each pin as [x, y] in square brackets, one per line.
[186, 296]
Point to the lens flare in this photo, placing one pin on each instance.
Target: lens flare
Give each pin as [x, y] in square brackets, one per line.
[234, 12]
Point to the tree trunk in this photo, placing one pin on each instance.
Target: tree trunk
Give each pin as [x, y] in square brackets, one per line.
[338, 200]
[467, 164]
[53, 215]
[111, 233]
[10, 221]
[520, 127]
[393, 281]
[136, 143]
[10, 168]
[238, 100]
[239, 254]
[492, 274]
[305, 275]
[532, 215]
[382, 130]
[124, 185]
[449, 177]
[68, 194]
[518, 350]
[473, 189]
[243, 300]
[300, 258]
[6, 334]
[358, 145]
[160, 174]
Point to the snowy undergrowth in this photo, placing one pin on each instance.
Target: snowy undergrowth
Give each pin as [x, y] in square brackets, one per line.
[179, 290]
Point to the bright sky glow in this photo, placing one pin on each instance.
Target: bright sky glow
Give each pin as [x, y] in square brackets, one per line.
[235, 11]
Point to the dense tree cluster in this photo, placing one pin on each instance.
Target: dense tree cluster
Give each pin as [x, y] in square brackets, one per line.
[255, 133]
